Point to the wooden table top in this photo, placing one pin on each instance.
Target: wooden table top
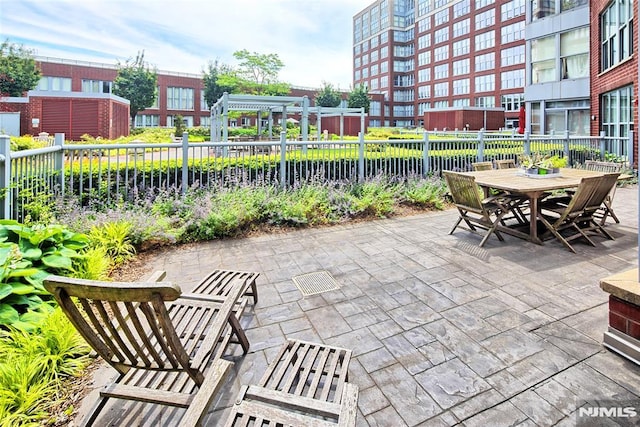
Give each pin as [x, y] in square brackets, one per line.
[513, 180]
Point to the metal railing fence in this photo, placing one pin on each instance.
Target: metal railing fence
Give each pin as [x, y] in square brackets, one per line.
[102, 173]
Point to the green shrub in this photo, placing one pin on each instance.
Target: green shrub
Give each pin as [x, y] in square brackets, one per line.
[425, 193]
[114, 238]
[27, 255]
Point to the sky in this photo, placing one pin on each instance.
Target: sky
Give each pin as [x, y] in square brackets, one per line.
[313, 38]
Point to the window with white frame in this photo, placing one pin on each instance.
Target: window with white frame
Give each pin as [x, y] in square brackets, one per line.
[485, 40]
[574, 53]
[147, 120]
[616, 33]
[424, 58]
[461, 8]
[365, 59]
[375, 70]
[485, 62]
[512, 56]
[403, 95]
[512, 33]
[357, 50]
[96, 86]
[205, 121]
[424, 7]
[424, 92]
[485, 19]
[461, 86]
[461, 47]
[441, 17]
[441, 89]
[441, 104]
[424, 75]
[512, 9]
[441, 71]
[357, 62]
[384, 52]
[365, 72]
[203, 102]
[374, 108]
[384, 81]
[441, 35]
[384, 67]
[485, 101]
[542, 8]
[616, 111]
[401, 66]
[512, 101]
[373, 84]
[374, 43]
[463, 66]
[543, 60]
[384, 37]
[424, 24]
[403, 110]
[441, 53]
[57, 84]
[482, 3]
[423, 107]
[461, 102]
[179, 98]
[461, 28]
[375, 55]
[424, 41]
[512, 79]
[486, 83]
[356, 75]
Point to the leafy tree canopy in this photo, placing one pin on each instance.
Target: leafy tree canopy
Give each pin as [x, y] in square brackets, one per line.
[18, 70]
[218, 79]
[137, 83]
[328, 96]
[259, 68]
[359, 97]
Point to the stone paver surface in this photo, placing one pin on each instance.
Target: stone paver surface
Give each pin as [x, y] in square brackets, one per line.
[443, 332]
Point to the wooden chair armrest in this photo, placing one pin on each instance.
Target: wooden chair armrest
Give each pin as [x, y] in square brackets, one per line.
[211, 386]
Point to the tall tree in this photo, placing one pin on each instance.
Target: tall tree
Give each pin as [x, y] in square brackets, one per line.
[328, 96]
[137, 83]
[259, 68]
[18, 70]
[359, 97]
[218, 79]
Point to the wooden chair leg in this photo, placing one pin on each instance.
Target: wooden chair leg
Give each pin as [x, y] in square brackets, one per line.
[555, 232]
[238, 331]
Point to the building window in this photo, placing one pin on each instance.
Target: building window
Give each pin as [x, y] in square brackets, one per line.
[375, 55]
[463, 102]
[58, 84]
[384, 52]
[424, 41]
[513, 101]
[485, 19]
[179, 98]
[574, 53]
[512, 56]
[147, 120]
[542, 8]
[441, 89]
[482, 3]
[485, 101]
[461, 8]
[424, 75]
[512, 79]
[461, 87]
[616, 33]
[424, 92]
[424, 24]
[441, 71]
[461, 28]
[616, 107]
[441, 17]
[205, 121]
[441, 104]
[543, 60]
[485, 40]
[384, 81]
[424, 58]
[512, 9]
[375, 108]
[187, 120]
[96, 86]
[461, 47]
[441, 53]
[512, 33]
[424, 7]
[373, 84]
[485, 83]
[572, 4]
[441, 35]
[485, 62]
[375, 70]
[461, 67]
[203, 102]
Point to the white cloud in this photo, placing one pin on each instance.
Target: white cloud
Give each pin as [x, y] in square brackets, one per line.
[313, 38]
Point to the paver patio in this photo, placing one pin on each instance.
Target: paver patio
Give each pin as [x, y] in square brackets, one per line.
[443, 332]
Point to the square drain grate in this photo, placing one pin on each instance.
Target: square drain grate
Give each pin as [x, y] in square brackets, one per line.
[315, 283]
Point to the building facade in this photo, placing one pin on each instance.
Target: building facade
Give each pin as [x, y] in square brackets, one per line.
[557, 92]
[434, 55]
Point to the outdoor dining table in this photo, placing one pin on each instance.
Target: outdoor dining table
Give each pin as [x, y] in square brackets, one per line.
[514, 181]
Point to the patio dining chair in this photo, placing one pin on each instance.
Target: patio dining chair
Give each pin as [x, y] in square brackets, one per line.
[576, 219]
[606, 209]
[486, 214]
[482, 166]
[505, 164]
[167, 347]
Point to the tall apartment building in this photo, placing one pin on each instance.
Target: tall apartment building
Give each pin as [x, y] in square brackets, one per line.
[434, 55]
[557, 92]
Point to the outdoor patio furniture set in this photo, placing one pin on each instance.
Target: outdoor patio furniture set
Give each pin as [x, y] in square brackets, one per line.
[568, 206]
[170, 348]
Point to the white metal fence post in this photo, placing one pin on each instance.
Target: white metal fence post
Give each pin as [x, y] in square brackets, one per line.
[566, 144]
[527, 143]
[59, 161]
[284, 178]
[630, 150]
[480, 155]
[185, 163]
[360, 157]
[603, 143]
[425, 155]
[5, 176]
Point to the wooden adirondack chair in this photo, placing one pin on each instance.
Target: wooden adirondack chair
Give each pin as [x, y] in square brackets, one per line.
[576, 218]
[487, 214]
[166, 347]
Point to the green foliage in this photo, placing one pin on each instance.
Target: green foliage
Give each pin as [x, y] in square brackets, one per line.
[359, 97]
[34, 368]
[93, 264]
[328, 96]
[26, 142]
[178, 121]
[27, 255]
[425, 193]
[259, 68]
[308, 204]
[375, 198]
[114, 238]
[137, 83]
[214, 87]
[18, 70]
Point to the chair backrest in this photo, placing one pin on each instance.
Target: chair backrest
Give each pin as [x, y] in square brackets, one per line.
[505, 164]
[127, 324]
[464, 191]
[589, 195]
[482, 166]
[608, 167]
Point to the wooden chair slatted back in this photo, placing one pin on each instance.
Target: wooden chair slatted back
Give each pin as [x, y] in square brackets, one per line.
[602, 191]
[482, 166]
[464, 191]
[127, 324]
[609, 167]
[583, 196]
[506, 164]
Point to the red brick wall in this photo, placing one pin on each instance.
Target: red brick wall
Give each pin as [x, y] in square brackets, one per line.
[624, 316]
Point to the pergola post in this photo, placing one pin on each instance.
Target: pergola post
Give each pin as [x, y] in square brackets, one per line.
[305, 123]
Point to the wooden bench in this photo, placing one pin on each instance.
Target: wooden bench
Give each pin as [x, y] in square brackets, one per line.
[219, 283]
[305, 385]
